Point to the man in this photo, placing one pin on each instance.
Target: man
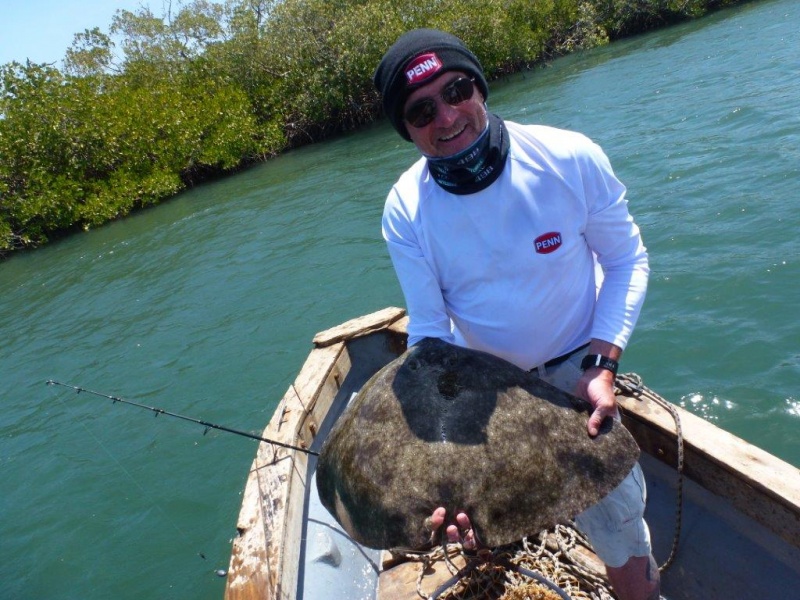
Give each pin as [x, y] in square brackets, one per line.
[516, 240]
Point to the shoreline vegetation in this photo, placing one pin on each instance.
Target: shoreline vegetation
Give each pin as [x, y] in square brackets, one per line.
[159, 104]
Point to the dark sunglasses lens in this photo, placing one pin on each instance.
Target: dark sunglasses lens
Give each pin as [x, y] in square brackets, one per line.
[459, 91]
[421, 113]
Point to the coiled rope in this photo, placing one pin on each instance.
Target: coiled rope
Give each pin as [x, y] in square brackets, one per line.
[632, 385]
[547, 568]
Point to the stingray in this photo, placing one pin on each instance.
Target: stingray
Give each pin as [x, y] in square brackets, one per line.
[448, 426]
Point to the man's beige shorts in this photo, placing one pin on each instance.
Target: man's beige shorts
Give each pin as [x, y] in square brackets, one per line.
[615, 526]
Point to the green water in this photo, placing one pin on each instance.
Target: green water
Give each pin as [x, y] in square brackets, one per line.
[206, 306]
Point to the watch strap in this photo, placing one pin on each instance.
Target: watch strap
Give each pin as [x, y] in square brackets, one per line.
[598, 360]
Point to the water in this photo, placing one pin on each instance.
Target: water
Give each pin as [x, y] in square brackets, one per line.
[206, 305]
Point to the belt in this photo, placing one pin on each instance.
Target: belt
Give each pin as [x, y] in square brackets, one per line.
[554, 362]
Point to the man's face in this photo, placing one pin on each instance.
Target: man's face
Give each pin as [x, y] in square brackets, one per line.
[455, 127]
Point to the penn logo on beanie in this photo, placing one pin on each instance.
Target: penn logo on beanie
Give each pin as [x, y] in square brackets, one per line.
[422, 67]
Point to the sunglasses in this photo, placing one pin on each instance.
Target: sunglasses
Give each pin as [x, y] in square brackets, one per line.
[423, 111]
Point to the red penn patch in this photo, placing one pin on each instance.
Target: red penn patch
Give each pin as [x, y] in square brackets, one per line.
[547, 242]
[422, 67]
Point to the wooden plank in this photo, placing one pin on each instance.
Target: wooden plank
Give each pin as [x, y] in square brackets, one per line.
[249, 569]
[321, 393]
[359, 326]
[318, 396]
[265, 556]
[400, 581]
[254, 568]
[313, 379]
[757, 483]
[400, 326]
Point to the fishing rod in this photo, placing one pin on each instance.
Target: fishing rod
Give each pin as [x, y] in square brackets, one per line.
[161, 411]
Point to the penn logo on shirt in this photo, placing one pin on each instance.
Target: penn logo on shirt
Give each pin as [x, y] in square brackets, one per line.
[422, 67]
[547, 242]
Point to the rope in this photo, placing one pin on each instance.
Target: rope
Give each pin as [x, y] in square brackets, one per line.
[631, 383]
[557, 557]
[545, 569]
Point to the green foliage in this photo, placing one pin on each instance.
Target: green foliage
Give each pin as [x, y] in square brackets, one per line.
[626, 17]
[326, 52]
[80, 151]
[91, 54]
[209, 86]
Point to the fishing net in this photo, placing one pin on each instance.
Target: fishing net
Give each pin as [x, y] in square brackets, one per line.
[562, 555]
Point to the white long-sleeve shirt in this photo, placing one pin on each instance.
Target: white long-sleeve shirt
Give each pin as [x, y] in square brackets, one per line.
[512, 269]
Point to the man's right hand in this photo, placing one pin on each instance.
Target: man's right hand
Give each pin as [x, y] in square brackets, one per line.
[461, 533]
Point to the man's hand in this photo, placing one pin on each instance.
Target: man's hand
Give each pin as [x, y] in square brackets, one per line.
[462, 533]
[596, 386]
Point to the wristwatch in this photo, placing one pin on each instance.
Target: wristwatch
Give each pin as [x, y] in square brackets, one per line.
[598, 360]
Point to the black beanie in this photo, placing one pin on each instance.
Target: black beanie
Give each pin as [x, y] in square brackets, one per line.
[416, 58]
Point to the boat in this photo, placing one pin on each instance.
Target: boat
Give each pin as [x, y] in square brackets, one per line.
[736, 507]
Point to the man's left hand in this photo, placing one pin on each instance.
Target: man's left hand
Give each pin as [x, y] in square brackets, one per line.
[596, 386]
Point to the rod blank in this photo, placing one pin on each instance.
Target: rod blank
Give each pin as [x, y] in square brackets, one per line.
[206, 424]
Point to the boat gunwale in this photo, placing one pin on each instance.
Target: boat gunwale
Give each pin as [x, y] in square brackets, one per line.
[757, 483]
[263, 564]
